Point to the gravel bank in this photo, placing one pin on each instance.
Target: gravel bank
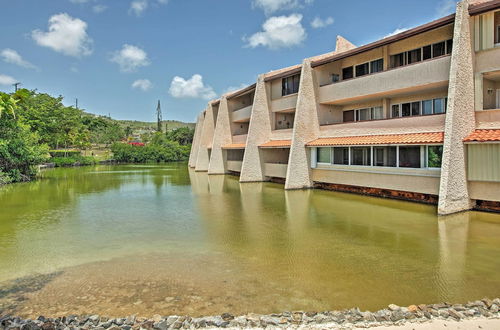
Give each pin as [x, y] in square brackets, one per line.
[485, 311]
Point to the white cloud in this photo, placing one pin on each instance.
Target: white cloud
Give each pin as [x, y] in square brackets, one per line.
[446, 7]
[130, 58]
[66, 35]
[142, 84]
[138, 7]
[318, 22]
[7, 80]
[99, 8]
[11, 56]
[279, 32]
[191, 88]
[79, 1]
[398, 30]
[271, 6]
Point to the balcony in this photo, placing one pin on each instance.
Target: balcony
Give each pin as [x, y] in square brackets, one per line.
[234, 165]
[242, 115]
[275, 170]
[285, 103]
[413, 124]
[412, 78]
[240, 138]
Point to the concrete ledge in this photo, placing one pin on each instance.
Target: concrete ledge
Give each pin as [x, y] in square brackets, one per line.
[378, 192]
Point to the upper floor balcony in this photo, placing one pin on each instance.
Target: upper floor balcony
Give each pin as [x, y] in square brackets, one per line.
[242, 115]
[284, 103]
[412, 78]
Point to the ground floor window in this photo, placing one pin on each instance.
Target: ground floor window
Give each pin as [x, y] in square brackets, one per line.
[404, 156]
[324, 155]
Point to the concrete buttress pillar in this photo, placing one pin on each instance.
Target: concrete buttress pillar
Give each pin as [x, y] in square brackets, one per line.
[222, 136]
[460, 120]
[196, 141]
[259, 132]
[206, 140]
[305, 129]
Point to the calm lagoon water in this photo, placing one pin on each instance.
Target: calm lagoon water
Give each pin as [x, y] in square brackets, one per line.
[161, 239]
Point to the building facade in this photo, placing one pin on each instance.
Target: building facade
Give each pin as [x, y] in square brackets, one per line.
[413, 116]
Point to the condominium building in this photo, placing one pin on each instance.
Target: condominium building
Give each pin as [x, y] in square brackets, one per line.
[412, 116]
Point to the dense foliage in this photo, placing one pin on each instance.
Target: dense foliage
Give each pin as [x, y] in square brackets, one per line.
[160, 149]
[20, 148]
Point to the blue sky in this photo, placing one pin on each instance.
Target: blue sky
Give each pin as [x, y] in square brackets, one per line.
[121, 56]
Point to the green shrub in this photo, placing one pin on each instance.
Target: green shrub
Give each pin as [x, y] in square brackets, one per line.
[64, 153]
[166, 151]
[72, 161]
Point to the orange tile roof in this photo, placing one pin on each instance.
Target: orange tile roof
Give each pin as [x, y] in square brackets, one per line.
[234, 146]
[483, 135]
[412, 138]
[277, 144]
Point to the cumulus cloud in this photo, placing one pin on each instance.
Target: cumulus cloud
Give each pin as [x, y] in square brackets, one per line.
[191, 88]
[66, 35]
[11, 56]
[130, 58]
[138, 7]
[279, 32]
[318, 22]
[270, 6]
[142, 84]
[7, 80]
[231, 89]
[446, 7]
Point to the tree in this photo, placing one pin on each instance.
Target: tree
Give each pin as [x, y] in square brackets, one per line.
[182, 135]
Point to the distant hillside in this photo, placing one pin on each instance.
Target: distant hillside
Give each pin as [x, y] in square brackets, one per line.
[149, 126]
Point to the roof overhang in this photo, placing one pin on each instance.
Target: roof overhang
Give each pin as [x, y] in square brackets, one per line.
[283, 73]
[483, 135]
[276, 144]
[234, 146]
[479, 8]
[389, 139]
[379, 43]
[242, 91]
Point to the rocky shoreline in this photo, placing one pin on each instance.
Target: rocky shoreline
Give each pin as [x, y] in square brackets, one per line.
[346, 319]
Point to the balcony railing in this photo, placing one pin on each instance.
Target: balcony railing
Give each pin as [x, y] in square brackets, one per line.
[288, 102]
[234, 165]
[275, 170]
[428, 73]
[242, 115]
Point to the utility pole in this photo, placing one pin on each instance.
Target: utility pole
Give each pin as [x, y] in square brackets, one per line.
[76, 103]
[15, 86]
[158, 117]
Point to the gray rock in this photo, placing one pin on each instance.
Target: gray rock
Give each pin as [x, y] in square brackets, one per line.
[397, 315]
[393, 307]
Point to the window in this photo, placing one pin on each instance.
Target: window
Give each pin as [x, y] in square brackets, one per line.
[335, 78]
[362, 69]
[398, 60]
[427, 52]
[434, 156]
[384, 156]
[348, 116]
[449, 46]
[377, 65]
[415, 108]
[347, 73]
[438, 49]
[378, 113]
[439, 106]
[409, 157]
[363, 114]
[324, 155]
[341, 156]
[405, 109]
[414, 56]
[361, 156]
[395, 110]
[290, 85]
[427, 107]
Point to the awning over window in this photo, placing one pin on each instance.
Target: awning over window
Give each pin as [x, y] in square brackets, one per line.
[412, 138]
[484, 135]
[277, 144]
[234, 146]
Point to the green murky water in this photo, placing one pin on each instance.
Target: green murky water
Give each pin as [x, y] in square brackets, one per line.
[144, 239]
